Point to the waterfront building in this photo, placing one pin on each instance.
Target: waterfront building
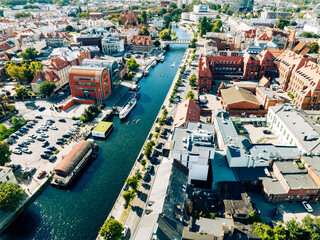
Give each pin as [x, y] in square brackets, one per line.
[199, 11]
[141, 44]
[7, 176]
[112, 45]
[193, 147]
[102, 130]
[90, 82]
[187, 111]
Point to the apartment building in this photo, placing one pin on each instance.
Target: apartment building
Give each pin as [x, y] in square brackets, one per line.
[6, 175]
[141, 44]
[90, 82]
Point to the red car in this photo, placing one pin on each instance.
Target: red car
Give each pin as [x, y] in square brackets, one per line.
[33, 120]
[41, 174]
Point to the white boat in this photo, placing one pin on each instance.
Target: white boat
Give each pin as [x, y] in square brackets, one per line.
[162, 59]
[173, 64]
[146, 73]
[154, 64]
[127, 109]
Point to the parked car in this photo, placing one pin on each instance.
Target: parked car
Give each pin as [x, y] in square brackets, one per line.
[274, 213]
[39, 117]
[267, 132]
[45, 156]
[146, 177]
[16, 151]
[149, 168]
[39, 131]
[163, 131]
[66, 135]
[41, 174]
[158, 145]
[125, 231]
[62, 139]
[40, 139]
[41, 109]
[22, 144]
[307, 206]
[45, 143]
[51, 120]
[30, 140]
[47, 151]
[14, 167]
[32, 136]
[26, 150]
[153, 159]
[59, 142]
[14, 136]
[53, 128]
[33, 120]
[44, 135]
[52, 158]
[62, 120]
[52, 148]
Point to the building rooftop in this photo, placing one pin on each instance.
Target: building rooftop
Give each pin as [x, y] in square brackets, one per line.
[269, 93]
[102, 127]
[211, 226]
[187, 111]
[221, 172]
[236, 94]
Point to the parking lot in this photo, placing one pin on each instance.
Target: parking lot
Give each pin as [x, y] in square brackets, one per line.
[287, 211]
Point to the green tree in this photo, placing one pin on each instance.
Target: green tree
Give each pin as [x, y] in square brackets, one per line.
[15, 121]
[144, 17]
[149, 14]
[69, 28]
[314, 47]
[144, 32]
[190, 95]
[128, 196]
[47, 88]
[132, 182]
[193, 42]
[111, 230]
[132, 64]
[35, 66]
[204, 26]
[21, 92]
[165, 35]
[140, 19]
[5, 153]
[143, 162]
[253, 217]
[16, 72]
[11, 195]
[3, 128]
[1, 13]
[156, 43]
[173, 5]
[29, 54]
[295, 230]
[167, 19]
[193, 80]
[264, 231]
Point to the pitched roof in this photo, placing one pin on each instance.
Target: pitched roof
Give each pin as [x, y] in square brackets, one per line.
[204, 70]
[186, 112]
[57, 64]
[236, 94]
[141, 40]
[264, 37]
[46, 75]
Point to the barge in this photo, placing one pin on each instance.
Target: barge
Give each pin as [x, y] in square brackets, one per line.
[70, 166]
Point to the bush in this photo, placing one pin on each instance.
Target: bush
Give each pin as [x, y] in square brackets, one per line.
[74, 118]
[290, 95]
[12, 130]
[157, 129]
[143, 162]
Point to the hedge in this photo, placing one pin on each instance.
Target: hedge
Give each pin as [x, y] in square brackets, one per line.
[12, 130]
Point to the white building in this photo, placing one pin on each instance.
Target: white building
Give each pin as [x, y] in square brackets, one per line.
[193, 147]
[6, 175]
[112, 45]
[199, 11]
[294, 128]
[158, 23]
[314, 28]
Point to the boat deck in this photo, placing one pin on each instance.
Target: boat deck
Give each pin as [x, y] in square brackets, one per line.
[123, 101]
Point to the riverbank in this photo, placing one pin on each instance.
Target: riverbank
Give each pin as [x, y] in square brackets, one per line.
[118, 211]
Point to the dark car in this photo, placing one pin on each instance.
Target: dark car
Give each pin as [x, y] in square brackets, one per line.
[62, 120]
[146, 177]
[42, 109]
[274, 213]
[149, 168]
[52, 148]
[158, 145]
[66, 135]
[59, 142]
[48, 152]
[45, 156]
[153, 159]
[267, 132]
[39, 117]
[52, 158]
[14, 167]
[44, 144]
[62, 139]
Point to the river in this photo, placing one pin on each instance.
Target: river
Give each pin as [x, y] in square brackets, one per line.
[78, 213]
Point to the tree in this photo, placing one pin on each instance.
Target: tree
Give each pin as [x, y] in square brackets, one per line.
[5, 153]
[128, 196]
[11, 195]
[132, 64]
[3, 128]
[253, 217]
[167, 19]
[132, 182]
[111, 230]
[314, 47]
[140, 19]
[47, 88]
[144, 17]
[15, 121]
[190, 95]
[144, 32]
[193, 42]
[264, 231]
[204, 26]
[156, 43]
[165, 35]
[16, 72]
[69, 28]
[35, 66]
[173, 5]
[21, 92]
[193, 80]
[149, 14]
[29, 54]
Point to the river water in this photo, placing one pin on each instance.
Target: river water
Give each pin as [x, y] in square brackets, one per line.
[78, 213]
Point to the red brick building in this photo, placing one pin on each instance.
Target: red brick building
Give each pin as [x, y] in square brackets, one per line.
[90, 82]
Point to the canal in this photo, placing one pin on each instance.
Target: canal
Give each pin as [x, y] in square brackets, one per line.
[78, 213]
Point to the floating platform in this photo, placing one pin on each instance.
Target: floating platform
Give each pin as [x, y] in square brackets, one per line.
[102, 130]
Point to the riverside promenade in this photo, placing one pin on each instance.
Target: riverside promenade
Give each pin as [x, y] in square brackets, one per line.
[131, 216]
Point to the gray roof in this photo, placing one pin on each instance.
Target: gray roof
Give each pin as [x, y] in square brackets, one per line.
[225, 125]
[313, 162]
[300, 125]
[300, 181]
[221, 171]
[288, 167]
[179, 133]
[211, 226]
[272, 185]
[269, 92]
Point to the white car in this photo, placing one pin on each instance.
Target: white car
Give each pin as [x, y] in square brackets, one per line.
[26, 150]
[44, 135]
[53, 128]
[125, 231]
[307, 206]
[16, 151]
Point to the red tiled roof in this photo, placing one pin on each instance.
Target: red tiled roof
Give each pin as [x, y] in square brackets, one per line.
[46, 75]
[57, 63]
[141, 40]
[188, 111]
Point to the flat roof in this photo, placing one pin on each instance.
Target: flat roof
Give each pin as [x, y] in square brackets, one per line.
[221, 171]
[102, 127]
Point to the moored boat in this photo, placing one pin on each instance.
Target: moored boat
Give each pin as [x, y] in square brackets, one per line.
[146, 73]
[127, 108]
